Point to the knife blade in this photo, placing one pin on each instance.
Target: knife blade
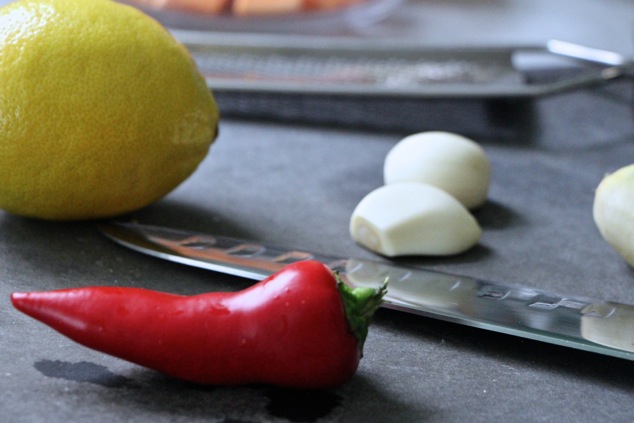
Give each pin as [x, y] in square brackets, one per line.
[591, 325]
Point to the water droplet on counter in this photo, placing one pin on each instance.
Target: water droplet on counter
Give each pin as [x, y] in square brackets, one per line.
[82, 371]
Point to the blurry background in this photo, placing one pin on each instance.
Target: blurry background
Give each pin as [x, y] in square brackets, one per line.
[589, 22]
[607, 24]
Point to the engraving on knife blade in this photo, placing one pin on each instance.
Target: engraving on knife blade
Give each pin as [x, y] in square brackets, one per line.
[292, 257]
[246, 250]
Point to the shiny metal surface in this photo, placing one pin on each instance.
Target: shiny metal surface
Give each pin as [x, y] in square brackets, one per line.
[343, 66]
[596, 326]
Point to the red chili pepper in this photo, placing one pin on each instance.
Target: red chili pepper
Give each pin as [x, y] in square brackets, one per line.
[302, 327]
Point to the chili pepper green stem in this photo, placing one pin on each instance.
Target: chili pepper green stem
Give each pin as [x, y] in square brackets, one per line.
[360, 304]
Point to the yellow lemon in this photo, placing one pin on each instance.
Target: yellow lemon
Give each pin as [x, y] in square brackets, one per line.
[102, 111]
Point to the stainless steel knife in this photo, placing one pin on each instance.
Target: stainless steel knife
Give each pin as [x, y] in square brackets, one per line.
[591, 325]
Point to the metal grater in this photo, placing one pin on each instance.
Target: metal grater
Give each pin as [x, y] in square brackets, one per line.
[378, 72]
[368, 67]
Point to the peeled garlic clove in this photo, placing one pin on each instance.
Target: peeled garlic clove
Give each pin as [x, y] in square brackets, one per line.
[613, 211]
[448, 161]
[413, 219]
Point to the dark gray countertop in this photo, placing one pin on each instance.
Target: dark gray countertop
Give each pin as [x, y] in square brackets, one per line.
[296, 185]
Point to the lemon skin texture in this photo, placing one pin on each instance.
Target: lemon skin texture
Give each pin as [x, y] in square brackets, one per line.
[102, 111]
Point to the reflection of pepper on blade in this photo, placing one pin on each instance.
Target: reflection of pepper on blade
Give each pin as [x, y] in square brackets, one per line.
[245, 255]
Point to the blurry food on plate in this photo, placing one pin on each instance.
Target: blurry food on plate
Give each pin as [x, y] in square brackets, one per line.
[270, 7]
[201, 6]
[247, 7]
